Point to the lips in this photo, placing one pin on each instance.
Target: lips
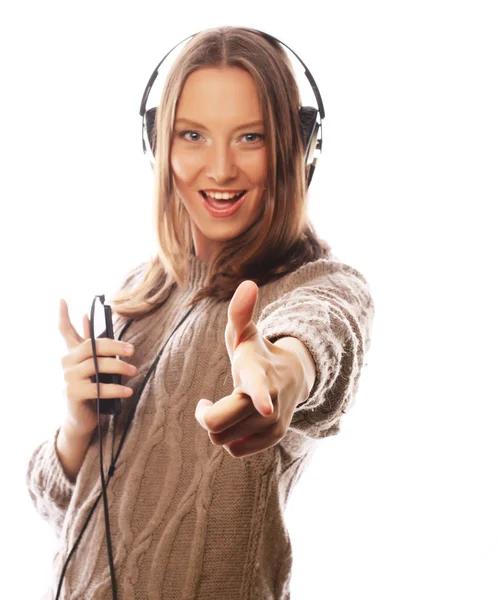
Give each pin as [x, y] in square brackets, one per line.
[222, 208]
[234, 199]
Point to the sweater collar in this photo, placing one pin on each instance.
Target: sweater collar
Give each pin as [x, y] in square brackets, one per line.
[197, 272]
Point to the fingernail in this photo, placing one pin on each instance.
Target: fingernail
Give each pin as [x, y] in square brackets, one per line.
[200, 418]
[269, 408]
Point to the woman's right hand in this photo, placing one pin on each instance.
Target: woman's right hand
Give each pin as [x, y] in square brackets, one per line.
[78, 366]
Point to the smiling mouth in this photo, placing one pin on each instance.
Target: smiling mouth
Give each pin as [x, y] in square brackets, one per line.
[233, 199]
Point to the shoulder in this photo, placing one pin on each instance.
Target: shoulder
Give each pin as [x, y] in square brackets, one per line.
[328, 272]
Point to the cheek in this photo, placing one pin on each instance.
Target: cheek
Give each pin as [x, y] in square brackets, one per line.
[184, 165]
[255, 166]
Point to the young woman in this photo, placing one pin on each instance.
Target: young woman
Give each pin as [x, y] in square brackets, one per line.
[259, 335]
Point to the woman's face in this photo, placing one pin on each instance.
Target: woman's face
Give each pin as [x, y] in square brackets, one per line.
[219, 146]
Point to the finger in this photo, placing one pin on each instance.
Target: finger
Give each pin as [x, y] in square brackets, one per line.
[241, 312]
[255, 383]
[86, 368]
[104, 347]
[68, 332]
[255, 443]
[202, 407]
[89, 391]
[86, 326]
[225, 413]
[242, 430]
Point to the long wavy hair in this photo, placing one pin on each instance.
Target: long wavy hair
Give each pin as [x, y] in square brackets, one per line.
[283, 238]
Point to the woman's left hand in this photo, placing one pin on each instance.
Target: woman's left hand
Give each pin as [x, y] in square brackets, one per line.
[262, 372]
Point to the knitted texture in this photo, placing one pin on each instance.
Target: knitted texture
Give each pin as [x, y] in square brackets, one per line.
[189, 521]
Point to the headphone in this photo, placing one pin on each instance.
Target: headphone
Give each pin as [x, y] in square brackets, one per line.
[311, 124]
[310, 118]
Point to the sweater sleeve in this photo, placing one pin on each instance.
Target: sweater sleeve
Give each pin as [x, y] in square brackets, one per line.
[48, 485]
[332, 315]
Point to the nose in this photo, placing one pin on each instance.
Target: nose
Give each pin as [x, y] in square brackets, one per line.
[220, 164]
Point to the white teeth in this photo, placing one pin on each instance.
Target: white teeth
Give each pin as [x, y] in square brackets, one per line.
[221, 196]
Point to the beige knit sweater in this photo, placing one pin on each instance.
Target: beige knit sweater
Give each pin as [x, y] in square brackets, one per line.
[188, 520]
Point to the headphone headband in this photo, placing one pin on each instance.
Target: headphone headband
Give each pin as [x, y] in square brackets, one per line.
[309, 76]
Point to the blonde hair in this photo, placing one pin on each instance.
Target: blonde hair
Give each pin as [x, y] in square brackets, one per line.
[283, 238]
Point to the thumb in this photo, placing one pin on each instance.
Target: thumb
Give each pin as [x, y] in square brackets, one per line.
[86, 326]
[66, 328]
[241, 312]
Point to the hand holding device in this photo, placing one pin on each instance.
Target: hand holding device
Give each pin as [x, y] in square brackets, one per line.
[79, 372]
[101, 326]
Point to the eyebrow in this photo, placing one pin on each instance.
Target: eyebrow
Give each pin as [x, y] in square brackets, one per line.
[200, 126]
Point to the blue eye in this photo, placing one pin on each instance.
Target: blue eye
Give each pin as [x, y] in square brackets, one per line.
[183, 133]
[258, 135]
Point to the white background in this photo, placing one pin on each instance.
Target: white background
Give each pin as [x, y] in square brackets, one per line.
[402, 503]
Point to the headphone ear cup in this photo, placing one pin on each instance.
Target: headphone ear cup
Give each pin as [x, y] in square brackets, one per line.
[150, 124]
[309, 130]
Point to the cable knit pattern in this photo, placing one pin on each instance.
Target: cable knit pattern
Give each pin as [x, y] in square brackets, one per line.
[189, 521]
